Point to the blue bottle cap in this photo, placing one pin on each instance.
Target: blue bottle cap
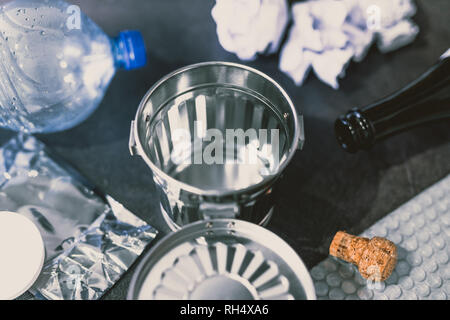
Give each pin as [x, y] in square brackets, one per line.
[131, 49]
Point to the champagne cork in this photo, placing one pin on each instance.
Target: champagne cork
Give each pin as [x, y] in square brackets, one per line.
[375, 258]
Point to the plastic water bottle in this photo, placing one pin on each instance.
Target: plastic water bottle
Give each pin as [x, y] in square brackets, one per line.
[56, 63]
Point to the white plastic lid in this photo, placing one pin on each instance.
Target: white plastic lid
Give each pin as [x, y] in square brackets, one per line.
[22, 254]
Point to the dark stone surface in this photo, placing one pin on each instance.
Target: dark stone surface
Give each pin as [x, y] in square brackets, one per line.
[324, 189]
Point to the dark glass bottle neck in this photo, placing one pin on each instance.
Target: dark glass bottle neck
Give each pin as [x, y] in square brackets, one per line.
[354, 131]
[425, 99]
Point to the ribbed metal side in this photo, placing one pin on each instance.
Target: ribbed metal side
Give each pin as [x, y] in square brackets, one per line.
[192, 115]
[221, 271]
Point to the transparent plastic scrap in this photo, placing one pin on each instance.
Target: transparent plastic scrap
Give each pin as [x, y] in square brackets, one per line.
[90, 240]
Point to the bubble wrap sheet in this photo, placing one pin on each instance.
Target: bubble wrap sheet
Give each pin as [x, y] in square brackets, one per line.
[421, 230]
[90, 239]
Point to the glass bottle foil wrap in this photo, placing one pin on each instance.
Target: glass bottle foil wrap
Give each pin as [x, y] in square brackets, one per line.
[90, 239]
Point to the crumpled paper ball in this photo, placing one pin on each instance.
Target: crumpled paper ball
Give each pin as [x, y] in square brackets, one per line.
[327, 34]
[249, 27]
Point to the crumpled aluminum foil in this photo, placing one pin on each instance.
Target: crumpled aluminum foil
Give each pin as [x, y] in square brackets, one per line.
[90, 239]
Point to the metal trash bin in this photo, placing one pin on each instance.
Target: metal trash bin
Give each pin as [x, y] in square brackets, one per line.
[216, 135]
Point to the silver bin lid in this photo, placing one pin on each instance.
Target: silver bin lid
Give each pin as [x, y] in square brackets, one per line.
[222, 259]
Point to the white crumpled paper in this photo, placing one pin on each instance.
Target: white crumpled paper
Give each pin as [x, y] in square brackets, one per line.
[327, 34]
[249, 27]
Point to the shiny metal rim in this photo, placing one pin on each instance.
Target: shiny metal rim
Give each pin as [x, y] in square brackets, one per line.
[184, 186]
